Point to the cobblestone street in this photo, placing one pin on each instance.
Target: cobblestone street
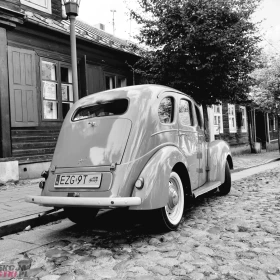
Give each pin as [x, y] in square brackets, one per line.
[222, 237]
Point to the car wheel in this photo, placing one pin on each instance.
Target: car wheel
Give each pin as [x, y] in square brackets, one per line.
[172, 213]
[81, 216]
[226, 186]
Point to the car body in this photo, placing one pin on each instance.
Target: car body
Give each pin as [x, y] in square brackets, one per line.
[141, 147]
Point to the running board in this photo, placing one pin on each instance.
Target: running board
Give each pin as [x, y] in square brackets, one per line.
[206, 188]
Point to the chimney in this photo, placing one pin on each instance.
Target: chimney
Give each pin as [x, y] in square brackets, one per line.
[100, 26]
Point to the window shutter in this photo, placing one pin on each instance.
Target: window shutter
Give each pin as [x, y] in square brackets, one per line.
[22, 82]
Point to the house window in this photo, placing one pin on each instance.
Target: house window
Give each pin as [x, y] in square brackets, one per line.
[57, 89]
[41, 5]
[231, 118]
[114, 81]
[166, 110]
[243, 119]
[218, 119]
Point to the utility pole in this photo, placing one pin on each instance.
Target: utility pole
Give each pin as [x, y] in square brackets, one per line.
[130, 26]
[113, 11]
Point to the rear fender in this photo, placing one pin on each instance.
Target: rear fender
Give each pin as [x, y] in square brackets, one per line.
[156, 173]
[218, 154]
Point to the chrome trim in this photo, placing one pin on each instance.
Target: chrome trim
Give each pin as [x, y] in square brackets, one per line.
[84, 201]
[162, 131]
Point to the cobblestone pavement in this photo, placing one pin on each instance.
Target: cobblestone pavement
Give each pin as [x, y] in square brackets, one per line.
[222, 237]
[13, 205]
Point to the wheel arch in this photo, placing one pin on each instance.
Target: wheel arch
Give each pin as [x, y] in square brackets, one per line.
[181, 169]
[155, 174]
[230, 162]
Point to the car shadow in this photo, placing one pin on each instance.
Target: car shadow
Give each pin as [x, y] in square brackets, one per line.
[122, 222]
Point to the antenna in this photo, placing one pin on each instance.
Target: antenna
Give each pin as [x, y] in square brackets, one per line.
[113, 11]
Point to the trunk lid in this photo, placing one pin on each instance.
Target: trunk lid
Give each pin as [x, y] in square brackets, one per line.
[92, 142]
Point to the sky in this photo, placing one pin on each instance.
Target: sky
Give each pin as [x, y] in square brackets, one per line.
[269, 14]
[100, 11]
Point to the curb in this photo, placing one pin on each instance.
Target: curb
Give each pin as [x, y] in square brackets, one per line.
[252, 166]
[34, 220]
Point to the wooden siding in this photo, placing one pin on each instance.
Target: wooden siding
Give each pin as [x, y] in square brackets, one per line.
[34, 145]
[56, 10]
[11, 4]
[5, 143]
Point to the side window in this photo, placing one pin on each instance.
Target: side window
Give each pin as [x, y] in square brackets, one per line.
[198, 116]
[185, 112]
[166, 110]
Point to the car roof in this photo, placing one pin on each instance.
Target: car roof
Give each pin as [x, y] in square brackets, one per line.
[144, 91]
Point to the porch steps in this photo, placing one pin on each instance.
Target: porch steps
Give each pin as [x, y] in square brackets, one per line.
[33, 145]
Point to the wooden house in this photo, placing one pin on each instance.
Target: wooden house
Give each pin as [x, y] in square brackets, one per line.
[244, 128]
[36, 76]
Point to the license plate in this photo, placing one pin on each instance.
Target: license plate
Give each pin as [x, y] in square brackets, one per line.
[78, 180]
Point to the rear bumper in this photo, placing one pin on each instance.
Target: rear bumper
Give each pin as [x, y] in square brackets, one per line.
[84, 201]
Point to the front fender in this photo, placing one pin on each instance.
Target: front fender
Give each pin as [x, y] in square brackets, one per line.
[156, 173]
[218, 152]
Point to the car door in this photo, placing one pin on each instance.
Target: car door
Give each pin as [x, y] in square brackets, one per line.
[188, 139]
[202, 147]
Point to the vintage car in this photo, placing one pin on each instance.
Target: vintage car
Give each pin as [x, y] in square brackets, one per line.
[141, 147]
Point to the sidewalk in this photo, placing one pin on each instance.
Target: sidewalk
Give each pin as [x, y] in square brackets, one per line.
[244, 161]
[16, 214]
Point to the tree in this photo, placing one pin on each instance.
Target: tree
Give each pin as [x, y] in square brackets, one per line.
[203, 48]
[265, 93]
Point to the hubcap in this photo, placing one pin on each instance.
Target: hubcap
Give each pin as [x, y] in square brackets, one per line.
[175, 205]
[173, 196]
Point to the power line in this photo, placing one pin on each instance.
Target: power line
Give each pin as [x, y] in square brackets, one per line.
[270, 44]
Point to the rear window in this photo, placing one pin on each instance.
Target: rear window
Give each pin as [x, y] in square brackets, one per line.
[111, 108]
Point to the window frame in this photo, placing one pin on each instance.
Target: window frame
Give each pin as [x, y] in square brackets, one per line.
[58, 82]
[232, 117]
[115, 77]
[32, 4]
[190, 110]
[218, 128]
